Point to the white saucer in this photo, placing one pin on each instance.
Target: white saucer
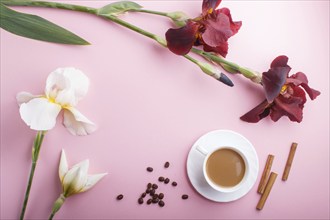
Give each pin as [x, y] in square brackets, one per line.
[211, 141]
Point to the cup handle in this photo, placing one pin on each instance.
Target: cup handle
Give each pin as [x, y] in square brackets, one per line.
[201, 150]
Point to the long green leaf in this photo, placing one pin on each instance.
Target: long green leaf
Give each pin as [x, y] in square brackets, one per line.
[117, 8]
[35, 27]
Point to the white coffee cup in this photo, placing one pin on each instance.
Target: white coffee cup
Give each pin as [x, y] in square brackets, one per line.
[215, 186]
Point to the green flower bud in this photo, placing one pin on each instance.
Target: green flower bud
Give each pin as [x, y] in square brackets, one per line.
[179, 18]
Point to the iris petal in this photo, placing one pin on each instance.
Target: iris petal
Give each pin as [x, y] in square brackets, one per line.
[67, 86]
[181, 40]
[301, 79]
[63, 167]
[77, 123]
[280, 61]
[75, 178]
[208, 4]
[234, 25]
[92, 180]
[39, 114]
[221, 49]
[24, 97]
[273, 81]
[290, 107]
[256, 114]
[217, 30]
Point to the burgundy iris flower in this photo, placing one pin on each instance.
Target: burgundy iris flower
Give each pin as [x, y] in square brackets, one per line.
[212, 30]
[285, 95]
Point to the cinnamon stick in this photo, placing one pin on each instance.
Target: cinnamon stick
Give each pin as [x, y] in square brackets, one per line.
[289, 161]
[268, 188]
[265, 174]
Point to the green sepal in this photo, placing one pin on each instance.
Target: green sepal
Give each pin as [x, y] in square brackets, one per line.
[228, 68]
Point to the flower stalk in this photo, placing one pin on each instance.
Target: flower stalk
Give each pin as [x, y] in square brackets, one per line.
[229, 66]
[35, 155]
[175, 16]
[57, 205]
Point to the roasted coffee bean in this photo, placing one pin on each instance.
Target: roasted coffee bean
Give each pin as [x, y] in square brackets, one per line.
[149, 201]
[120, 197]
[161, 195]
[174, 183]
[143, 195]
[184, 196]
[150, 169]
[167, 180]
[140, 200]
[149, 185]
[155, 200]
[167, 164]
[155, 196]
[161, 203]
[148, 190]
[155, 186]
[161, 179]
[152, 192]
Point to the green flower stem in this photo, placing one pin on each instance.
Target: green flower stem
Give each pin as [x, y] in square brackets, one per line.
[57, 205]
[132, 27]
[151, 12]
[229, 66]
[215, 58]
[35, 154]
[95, 12]
[147, 34]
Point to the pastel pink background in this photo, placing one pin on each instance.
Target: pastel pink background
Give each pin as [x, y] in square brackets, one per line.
[151, 106]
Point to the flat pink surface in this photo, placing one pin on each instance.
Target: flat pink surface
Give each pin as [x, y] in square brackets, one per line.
[151, 106]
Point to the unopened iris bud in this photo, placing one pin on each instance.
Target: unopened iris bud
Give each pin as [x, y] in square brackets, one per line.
[253, 75]
[76, 179]
[178, 17]
[225, 79]
[215, 73]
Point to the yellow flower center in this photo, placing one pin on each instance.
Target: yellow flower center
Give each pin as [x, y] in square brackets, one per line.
[52, 100]
[283, 89]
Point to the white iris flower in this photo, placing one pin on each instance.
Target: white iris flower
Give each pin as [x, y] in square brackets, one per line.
[65, 87]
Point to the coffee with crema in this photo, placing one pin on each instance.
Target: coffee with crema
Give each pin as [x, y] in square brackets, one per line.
[225, 167]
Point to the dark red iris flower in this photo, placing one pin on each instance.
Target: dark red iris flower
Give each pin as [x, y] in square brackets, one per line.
[285, 95]
[212, 30]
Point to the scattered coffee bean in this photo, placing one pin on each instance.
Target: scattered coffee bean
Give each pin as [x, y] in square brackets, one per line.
[167, 180]
[161, 195]
[148, 190]
[155, 196]
[155, 186]
[143, 195]
[184, 196]
[152, 192]
[120, 197]
[156, 200]
[174, 183]
[149, 185]
[167, 164]
[150, 169]
[149, 201]
[140, 200]
[161, 203]
[161, 179]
